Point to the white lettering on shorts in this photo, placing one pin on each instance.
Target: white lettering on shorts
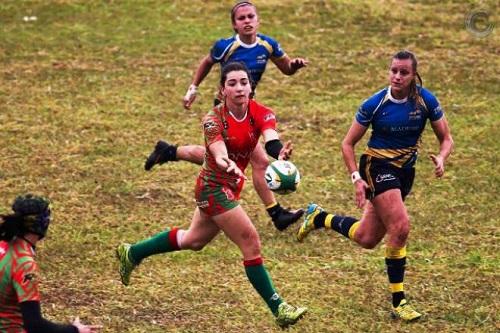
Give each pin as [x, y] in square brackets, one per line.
[202, 204]
[384, 178]
[229, 194]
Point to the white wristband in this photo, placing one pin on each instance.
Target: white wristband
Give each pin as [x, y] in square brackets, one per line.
[191, 92]
[355, 176]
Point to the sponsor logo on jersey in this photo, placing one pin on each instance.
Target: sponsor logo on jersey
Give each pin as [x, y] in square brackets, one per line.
[404, 128]
[28, 278]
[251, 135]
[437, 110]
[261, 59]
[269, 116]
[415, 115]
[239, 155]
[384, 178]
[210, 128]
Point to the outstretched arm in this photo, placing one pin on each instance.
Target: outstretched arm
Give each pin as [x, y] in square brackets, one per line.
[219, 151]
[201, 72]
[289, 66]
[442, 131]
[35, 323]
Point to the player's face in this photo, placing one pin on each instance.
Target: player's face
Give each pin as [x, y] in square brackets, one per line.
[400, 76]
[246, 21]
[237, 88]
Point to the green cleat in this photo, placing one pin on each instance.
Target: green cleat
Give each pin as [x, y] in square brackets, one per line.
[288, 315]
[126, 265]
[308, 225]
[405, 312]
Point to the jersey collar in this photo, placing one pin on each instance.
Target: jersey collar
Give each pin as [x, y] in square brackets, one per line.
[242, 118]
[247, 46]
[392, 99]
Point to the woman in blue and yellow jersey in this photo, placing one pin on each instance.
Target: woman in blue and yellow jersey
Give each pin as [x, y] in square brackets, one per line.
[19, 295]
[246, 46]
[397, 115]
[254, 50]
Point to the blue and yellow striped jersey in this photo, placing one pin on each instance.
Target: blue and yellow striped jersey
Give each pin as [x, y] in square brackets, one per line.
[397, 125]
[254, 56]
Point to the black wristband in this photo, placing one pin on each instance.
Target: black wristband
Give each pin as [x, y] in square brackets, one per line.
[273, 148]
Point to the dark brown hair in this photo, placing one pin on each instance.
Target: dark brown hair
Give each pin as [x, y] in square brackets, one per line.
[238, 5]
[231, 67]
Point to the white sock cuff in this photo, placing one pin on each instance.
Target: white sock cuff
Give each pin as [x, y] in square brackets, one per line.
[179, 237]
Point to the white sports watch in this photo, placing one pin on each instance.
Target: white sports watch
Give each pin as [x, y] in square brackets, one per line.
[355, 176]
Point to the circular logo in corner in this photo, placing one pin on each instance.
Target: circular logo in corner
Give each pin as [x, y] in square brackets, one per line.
[477, 22]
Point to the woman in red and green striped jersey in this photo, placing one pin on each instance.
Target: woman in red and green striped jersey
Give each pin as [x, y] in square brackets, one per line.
[19, 295]
[232, 130]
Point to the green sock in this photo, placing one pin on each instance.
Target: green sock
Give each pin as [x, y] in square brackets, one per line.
[261, 281]
[162, 242]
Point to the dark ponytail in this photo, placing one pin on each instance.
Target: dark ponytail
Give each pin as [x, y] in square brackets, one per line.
[12, 226]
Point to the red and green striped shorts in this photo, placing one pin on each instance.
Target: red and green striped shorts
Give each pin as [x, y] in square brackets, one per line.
[216, 196]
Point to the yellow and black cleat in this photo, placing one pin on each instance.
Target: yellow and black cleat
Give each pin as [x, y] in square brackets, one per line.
[406, 312]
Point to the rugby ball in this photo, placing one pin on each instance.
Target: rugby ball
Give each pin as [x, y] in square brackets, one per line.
[282, 177]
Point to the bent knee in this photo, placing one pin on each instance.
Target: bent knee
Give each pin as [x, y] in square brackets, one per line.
[400, 232]
[251, 249]
[368, 243]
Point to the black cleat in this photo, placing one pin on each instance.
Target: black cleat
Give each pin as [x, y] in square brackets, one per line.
[163, 153]
[285, 218]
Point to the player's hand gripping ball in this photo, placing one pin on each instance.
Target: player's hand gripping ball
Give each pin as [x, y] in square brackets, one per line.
[282, 177]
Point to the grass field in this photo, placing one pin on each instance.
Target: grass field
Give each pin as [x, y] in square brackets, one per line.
[88, 88]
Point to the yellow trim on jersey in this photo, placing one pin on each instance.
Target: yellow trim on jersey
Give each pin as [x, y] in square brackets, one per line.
[396, 287]
[369, 179]
[264, 43]
[328, 221]
[399, 156]
[233, 48]
[352, 229]
[395, 252]
[284, 55]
